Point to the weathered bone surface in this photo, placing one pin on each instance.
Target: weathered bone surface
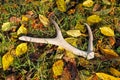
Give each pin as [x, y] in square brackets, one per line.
[59, 41]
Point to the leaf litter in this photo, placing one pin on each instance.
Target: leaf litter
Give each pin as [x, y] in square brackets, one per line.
[29, 17]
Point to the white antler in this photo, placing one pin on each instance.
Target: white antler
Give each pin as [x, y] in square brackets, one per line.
[59, 41]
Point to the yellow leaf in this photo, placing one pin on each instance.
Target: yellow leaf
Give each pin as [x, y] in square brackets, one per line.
[44, 20]
[104, 76]
[109, 52]
[60, 48]
[72, 41]
[69, 54]
[115, 72]
[24, 18]
[7, 60]
[58, 68]
[88, 3]
[93, 19]
[21, 49]
[74, 33]
[80, 27]
[93, 77]
[6, 26]
[22, 30]
[61, 5]
[107, 31]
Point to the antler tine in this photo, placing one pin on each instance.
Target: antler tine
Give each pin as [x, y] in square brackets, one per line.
[57, 27]
[90, 43]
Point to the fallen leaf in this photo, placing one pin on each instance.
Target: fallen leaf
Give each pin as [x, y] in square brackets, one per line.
[11, 77]
[72, 41]
[107, 31]
[96, 7]
[109, 53]
[57, 68]
[36, 25]
[104, 76]
[69, 54]
[30, 13]
[15, 19]
[80, 27]
[6, 26]
[115, 72]
[71, 11]
[61, 5]
[44, 20]
[21, 49]
[88, 3]
[93, 77]
[74, 33]
[7, 60]
[112, 40]
[66, 75]
[24, 18]
[93, 19]
[22, 30]
[72, 68]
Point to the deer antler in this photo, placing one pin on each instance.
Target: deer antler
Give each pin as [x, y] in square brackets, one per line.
[59, 41]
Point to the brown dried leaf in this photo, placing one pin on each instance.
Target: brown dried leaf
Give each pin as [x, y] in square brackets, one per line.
[112, 40]
[96, 7]
[66, 74]
[15, 19]
[30, 12]
[71, 67]
[11, 77]
[71, 11]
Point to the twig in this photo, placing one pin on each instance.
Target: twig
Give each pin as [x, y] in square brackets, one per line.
[59, 41]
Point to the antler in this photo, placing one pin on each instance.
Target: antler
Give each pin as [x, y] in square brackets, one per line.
[59, 41]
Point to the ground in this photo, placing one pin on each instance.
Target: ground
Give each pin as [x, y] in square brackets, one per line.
[23, 60]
